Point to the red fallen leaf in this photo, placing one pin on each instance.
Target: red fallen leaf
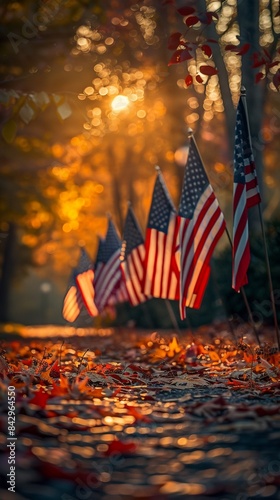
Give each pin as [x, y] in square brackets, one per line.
[192, 20]
[174, 40]
[208, 70]
[244, 49]
[27, 362]
[198, 79]
[120, 447]
[259, 76]
[54, 471]
[207, 50]
[55, 370]
[186, 11]
[185, 55]
[188, 80]
[40, 399]
[276, 79]
[262, 411]
[175, 57]
[57, 390]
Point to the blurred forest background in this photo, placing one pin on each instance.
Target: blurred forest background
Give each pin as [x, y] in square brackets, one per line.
[68, 156]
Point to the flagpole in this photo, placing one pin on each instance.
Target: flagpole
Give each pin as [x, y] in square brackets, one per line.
[243, 97]
[250, 315]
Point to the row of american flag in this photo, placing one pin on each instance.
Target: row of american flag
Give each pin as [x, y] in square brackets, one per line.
[173, 260]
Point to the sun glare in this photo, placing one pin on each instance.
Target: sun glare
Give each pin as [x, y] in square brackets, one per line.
[119, 103]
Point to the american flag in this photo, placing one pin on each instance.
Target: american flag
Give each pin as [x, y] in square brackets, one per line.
[245, 195]
[99, 264]
[80, 290]
[161, 272]
[132, 258]
[201, 224]
[109, 274]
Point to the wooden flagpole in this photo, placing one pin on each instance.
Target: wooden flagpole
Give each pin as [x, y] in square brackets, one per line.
[243, 97]
[250, 315]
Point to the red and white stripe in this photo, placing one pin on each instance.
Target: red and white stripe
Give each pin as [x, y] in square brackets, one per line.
[72, 304]
[133, 270]
[161, 277]
[85, 285]
[198, 237]
[106, 280]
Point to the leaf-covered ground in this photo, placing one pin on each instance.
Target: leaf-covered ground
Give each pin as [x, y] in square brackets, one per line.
[145, 416]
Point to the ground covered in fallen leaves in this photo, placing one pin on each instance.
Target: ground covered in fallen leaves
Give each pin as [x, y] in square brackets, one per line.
[148, 415]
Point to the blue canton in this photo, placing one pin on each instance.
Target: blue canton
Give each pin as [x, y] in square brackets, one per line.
[99, 255]
[195, 183]
[132, 235]
[111, 244]
[242, 148]
[83, 265]
[161, 207]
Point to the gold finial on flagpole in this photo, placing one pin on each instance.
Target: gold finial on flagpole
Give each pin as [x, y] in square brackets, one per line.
[157, 169]
[190, 132]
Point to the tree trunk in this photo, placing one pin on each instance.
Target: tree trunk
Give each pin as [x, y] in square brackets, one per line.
[230, 113]
[248, 17]
[6, 273]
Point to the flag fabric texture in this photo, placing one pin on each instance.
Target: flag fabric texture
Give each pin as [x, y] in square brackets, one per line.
[161, 272]
[201, 224]
[132, 258]
[245, 195]
[80, 290]
[108, 271]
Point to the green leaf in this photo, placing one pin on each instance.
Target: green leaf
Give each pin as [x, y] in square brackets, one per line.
[64, 110]
[9, 131]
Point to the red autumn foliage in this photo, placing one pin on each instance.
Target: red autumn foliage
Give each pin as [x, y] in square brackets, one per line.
[186, 11]
[40, 398]
[117, 447]
[192, 20]
[188, 80]
[174, 41]
[207, 50]
[208, 70]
